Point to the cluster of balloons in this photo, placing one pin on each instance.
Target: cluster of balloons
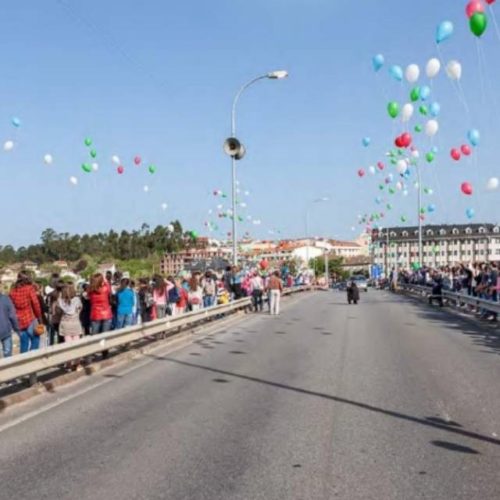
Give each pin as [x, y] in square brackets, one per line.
[478, 21]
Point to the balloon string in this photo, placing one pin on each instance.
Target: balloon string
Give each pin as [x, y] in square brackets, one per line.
[481, 73]
[495, 22]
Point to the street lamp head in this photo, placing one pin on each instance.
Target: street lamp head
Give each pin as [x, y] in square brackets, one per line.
[278, 75]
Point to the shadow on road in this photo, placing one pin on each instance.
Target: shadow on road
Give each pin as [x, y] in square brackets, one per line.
[455, 447]
[428, 422]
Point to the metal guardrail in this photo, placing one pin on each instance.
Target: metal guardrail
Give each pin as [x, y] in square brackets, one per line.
[456, 299]
[34, 362]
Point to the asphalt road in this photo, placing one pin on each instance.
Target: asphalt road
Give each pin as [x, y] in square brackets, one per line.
[385, 400]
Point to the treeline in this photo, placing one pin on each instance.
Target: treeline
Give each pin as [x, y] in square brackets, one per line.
[141, 244]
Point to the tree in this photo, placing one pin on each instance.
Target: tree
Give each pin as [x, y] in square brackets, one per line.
[335, 268]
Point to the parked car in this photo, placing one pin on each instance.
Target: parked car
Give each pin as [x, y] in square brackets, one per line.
[361, 282]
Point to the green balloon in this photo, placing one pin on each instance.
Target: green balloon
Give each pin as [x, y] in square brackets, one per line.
[403, 218]
[392, 190]
[152, 169]
[393, 109]
[389, 206]
[422, 210]
[424, 110]
[86, 167]
[93, 153]
[426, 190]
[430, 157]
[478, 23]
[194, 234]
[88, 141]
[381, 187]
[418, 128]
[394, 161]
[415, 94]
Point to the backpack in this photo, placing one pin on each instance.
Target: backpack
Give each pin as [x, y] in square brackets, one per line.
[173, 295]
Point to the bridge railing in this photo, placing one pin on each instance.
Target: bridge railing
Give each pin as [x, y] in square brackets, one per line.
[35, 362]
[454, 299]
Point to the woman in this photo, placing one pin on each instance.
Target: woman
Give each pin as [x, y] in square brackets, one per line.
[182, 301]
[125, 299]
[70, 306]
[160, 296]
[209, 288]
[146, 300]
[100, 307]
[195, 294]
[28, 311]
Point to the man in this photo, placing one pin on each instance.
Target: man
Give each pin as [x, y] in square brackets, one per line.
[257, 288]
[8, 322]
[209, 288]
[275, 287]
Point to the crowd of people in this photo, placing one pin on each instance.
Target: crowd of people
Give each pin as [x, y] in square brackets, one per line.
[66, 311]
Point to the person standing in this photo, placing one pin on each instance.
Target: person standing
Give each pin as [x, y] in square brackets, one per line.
[146, 301]
[28, 311]
[209, 288]
[275, 287]
[257, 290]
[71, 306]
[160, 296]
[236, 281]
[195, 294]
[125, 300]
[85, 312]
[8, 323]
[99, 295]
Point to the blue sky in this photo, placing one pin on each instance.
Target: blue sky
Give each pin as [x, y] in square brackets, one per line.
[157, 79]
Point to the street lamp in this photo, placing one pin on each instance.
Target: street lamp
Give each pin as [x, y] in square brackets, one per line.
[308, 209]
[419, 203]
[236, 150]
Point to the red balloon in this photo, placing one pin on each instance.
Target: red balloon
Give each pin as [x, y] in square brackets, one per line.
[380, 165]
[406, 140]
[474, 6]
[466, 188]
[361, 173]
[120, 170]
[455, 154]
[490, 2]
[466, 150]
[137, 160]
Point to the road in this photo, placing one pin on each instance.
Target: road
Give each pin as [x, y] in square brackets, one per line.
[385, 400]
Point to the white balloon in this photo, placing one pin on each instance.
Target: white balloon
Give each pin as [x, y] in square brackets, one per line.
[454, 70]
[412, 73]
[431, 127]
[170, 228]
[247, 193]
[433, 68]
[492, 184]
[401, 166]
[48, 159]
[405, 192]
[407, 112]
[164, 206]
[371, 169]
[95, 166]
[399, 185]
[415, 154]
[116, 160]
[243, 205]
[8, 146]
[73, 181]
[146, 189]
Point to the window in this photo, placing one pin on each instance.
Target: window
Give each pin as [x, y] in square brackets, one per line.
[405, 233]
[482, 230]
[430, 232]
[468, 231]
[392, 234]
[496, 229]
[455, 230]
[442, 232]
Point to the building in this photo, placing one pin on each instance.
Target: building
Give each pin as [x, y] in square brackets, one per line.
[442, 245]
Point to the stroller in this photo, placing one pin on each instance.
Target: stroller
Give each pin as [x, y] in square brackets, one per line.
[352, 293]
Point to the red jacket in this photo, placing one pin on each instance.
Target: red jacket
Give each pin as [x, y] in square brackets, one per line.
[100, 308]
[26, 304]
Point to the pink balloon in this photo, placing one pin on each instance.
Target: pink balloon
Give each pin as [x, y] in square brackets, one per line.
[120, 170]
[137, 160]
[455, 154]
[466, 188]
[466, 150]
[472, 7]
[380, 165]
[490, 2]
[361, 172]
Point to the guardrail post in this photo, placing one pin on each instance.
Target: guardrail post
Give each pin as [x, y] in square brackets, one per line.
[33, 379]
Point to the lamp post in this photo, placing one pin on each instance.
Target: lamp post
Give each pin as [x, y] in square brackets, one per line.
[308, 209]
[419, 203]
[274, 75]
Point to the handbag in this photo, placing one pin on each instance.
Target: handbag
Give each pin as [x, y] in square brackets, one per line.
[39, 329]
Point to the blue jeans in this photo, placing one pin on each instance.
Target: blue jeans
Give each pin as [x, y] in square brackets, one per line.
[100, 326]
[7, 346]
[208, 300]
[29, 341]
[123, 320]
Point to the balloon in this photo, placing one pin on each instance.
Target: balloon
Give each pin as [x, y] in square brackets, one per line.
[73, 181]
[423, 110]
[380, 165]
[392, 190]
[152, 169]
[120, 170]
[116, 160]
[466, 188]
[16, 122]
[146, 189]
[470, 213]
[88, 141]
[48, 159]
[415, 154]
[425, 92]
[371, 169]
[435, 150]
[415, 94]
[87, 168]
[435, 109]
[472, 7]
[454, 70]
[93, 153]
[405, 192]
[474, 137]
[466, 150]
[393, 109]
[412, 73]
[423, 210]
[137, 160]
[361, 173]
[366, 141]
[490, 2]
[170, 228]
[381, 187]
[478, 23]
[444, 31]
[431, 128]
[406, 140]
[407, 112]
[402, 166]
[403, 218]
[433, 67]
[492, 184]
[194, 234]
[431, 208]
[430, 157]
[396, 72]
[378, 200]
[378, 61]
[8, 146]
[389, 206]
[95, 167]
